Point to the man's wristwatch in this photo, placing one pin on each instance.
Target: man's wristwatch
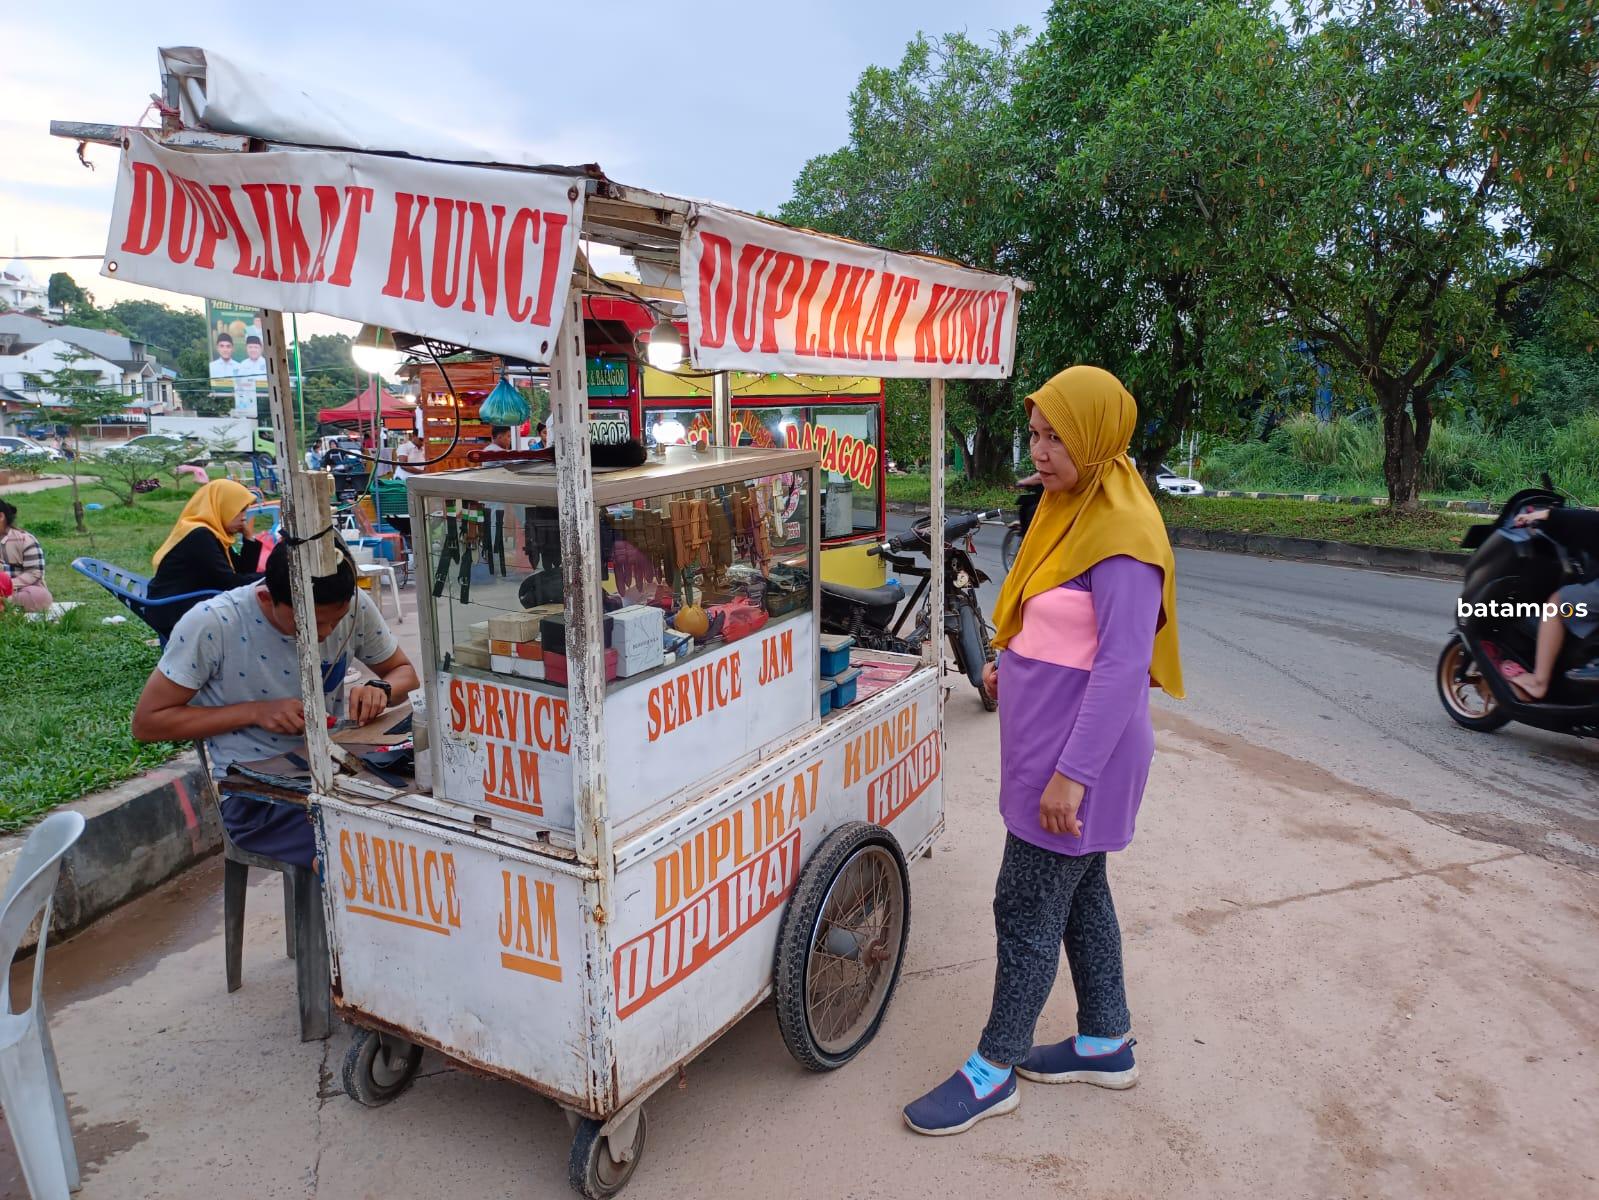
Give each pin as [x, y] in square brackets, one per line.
[383, 685]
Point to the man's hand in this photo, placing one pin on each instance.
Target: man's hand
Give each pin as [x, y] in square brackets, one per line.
[991, 681]
[281, 716]
[1057, 807]
[367, 703]
[1532, 517]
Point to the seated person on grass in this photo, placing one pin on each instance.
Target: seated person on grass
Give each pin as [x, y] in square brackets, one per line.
[231, 675]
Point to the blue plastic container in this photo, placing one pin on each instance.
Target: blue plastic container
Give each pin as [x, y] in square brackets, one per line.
[835, 653]
[824, 693]
[844, 687]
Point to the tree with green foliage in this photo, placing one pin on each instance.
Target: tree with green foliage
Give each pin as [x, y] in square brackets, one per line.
[64, 292]
[168, 332]
[918, 173]
[1422, 166]
[81, 401]
[1126, 110]
[124, 468]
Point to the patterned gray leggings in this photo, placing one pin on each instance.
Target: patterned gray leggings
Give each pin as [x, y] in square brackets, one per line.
[1041, 900]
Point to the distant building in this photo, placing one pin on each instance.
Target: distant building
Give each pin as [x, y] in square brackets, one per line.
[20, 290]
[149, 386]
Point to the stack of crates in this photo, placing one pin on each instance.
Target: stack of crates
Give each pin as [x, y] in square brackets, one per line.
[839, 679]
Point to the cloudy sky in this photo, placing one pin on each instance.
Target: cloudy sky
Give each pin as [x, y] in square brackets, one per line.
[717, 100]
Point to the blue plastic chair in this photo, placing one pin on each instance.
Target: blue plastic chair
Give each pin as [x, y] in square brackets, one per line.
[132, 590]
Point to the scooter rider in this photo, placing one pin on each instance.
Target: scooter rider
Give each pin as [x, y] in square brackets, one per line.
[1577, 529]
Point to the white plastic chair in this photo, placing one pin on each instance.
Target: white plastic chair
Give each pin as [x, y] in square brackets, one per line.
[30, 1082]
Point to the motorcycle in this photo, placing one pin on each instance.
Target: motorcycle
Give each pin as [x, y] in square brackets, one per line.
[875, 618]
[1015, 531]
[1511, 574]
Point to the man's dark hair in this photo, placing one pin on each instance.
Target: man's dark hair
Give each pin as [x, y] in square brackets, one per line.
[496, 430]
[8, 510]
[252, 340]
[224, 337]
[336, 588]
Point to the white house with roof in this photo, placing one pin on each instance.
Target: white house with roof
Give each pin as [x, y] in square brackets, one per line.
[21, 290]
[22, 400]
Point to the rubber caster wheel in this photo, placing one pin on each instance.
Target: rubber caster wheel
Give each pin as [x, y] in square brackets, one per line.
[841, 945]
[601, 1166]
[379, 1066]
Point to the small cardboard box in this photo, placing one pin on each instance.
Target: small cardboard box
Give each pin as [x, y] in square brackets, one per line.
[514, 627]
[527, 668]
[502, 664]
[469, 654]
[637, 625]
[552, 633]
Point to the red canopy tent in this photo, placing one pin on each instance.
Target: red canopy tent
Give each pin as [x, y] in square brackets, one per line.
[397, 412]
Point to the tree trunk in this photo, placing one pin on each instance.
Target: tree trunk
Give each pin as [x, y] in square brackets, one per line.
[77, 504]
[990, 456]
[1407, 428]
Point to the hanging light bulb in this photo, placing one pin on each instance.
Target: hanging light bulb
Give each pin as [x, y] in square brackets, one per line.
[665, 348]
[374, 351]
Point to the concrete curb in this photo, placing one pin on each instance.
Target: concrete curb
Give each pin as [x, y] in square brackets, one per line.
[1442, 564]
[137, 835]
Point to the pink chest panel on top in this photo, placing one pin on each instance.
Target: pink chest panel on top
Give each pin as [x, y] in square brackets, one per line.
[1058, 627]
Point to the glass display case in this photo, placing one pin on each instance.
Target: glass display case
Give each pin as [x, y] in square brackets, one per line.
[706, 582]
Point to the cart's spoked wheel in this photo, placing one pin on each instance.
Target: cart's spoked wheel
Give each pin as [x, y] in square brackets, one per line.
[841, 945]
[601, 1166]
[379, 1066]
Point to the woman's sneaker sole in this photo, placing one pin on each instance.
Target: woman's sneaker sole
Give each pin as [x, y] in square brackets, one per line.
[1004, 1106]
[1115, 1080]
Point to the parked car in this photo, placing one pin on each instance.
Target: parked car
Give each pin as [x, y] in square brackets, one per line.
[23, 445]
[1177, 485]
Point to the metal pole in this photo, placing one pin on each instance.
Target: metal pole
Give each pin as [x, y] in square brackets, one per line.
[306, 512]
[935, 526]
[585, 694]
[722, 409]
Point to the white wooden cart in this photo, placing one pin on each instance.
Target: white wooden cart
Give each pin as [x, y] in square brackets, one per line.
[604, 876]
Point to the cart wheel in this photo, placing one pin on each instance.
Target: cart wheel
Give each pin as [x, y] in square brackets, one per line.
[379, 1066]
[841, 945]
[599, 1166]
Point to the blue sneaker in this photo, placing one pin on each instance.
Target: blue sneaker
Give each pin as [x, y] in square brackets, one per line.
[953, 1106]
[1061, 1063]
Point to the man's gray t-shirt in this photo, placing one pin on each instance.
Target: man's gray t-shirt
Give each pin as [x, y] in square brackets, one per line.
[229, 653]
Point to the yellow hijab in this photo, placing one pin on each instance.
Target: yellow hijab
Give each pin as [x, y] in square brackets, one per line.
[211, 507]
[1109, 512]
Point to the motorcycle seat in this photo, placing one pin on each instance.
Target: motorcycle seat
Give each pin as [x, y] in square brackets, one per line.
[877, 597]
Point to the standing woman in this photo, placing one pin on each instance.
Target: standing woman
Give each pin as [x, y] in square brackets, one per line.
[1088, 622]
[198, 555]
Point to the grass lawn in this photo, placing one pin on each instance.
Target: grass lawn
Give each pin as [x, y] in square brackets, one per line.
[1360, 524]
[958, 492]
[68, 688]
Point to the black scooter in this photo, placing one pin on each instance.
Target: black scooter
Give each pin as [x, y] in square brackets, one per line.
[1513, 571]
[874, 618]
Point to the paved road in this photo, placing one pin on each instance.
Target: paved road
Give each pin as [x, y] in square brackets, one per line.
[1333, 666]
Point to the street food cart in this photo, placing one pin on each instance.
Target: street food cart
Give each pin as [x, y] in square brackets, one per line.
[643, 813]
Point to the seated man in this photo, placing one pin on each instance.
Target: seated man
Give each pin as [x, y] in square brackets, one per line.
[231, 675]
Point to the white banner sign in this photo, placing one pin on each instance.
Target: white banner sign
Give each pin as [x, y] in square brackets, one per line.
[470, 255]
[762, 297]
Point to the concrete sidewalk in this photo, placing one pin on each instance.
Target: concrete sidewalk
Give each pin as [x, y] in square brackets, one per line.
[1332, 996]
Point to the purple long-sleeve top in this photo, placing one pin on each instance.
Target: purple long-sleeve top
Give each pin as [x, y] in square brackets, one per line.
[1074, 698]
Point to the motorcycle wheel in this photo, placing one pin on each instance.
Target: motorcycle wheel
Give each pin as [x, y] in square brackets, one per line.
[974, 650]
[1013, 543]
[1464, 692]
